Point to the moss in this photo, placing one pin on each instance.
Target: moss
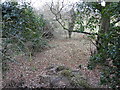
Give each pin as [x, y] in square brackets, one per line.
[78, 81]
[75, 80]
[67, 73]
[83, 84]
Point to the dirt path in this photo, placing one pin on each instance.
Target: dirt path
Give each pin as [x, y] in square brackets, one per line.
[68, 52]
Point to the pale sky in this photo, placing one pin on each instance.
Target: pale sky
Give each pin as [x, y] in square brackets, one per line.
[40, 3]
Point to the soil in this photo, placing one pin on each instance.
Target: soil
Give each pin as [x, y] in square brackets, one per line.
[68, 52]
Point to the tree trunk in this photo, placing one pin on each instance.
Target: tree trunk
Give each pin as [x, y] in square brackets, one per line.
[72, 22]
[69, 33]
[105, 25]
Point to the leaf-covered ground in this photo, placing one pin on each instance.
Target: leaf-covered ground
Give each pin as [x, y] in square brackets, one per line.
[68, 52]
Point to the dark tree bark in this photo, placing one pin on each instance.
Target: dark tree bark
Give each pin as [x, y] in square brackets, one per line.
[104, 28]
[71, 27]
[69, 33]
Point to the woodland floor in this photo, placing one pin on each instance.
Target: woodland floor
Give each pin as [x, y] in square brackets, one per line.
[69, 52]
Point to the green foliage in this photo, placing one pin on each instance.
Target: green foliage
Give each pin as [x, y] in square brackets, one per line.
[108, 54]
[109, 58]
[88, 18]
[20, 26]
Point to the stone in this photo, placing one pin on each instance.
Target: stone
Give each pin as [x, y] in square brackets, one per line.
[60, 82]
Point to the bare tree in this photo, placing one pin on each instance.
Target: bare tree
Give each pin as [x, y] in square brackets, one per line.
[67, 23]
[59, 16]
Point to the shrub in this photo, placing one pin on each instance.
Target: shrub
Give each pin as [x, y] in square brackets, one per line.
[20, 25]
[109, 58]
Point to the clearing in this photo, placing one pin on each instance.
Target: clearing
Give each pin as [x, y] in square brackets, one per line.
[68, 52]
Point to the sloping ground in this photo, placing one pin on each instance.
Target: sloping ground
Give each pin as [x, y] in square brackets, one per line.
[68, 52]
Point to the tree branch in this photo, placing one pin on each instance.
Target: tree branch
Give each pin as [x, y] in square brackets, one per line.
[63, 26]
[84, 32]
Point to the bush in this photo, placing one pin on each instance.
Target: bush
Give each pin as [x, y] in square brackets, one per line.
[109, 58]
[20, 25]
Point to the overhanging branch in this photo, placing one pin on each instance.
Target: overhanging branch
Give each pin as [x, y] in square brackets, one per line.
[84, 32]
[63, 26]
